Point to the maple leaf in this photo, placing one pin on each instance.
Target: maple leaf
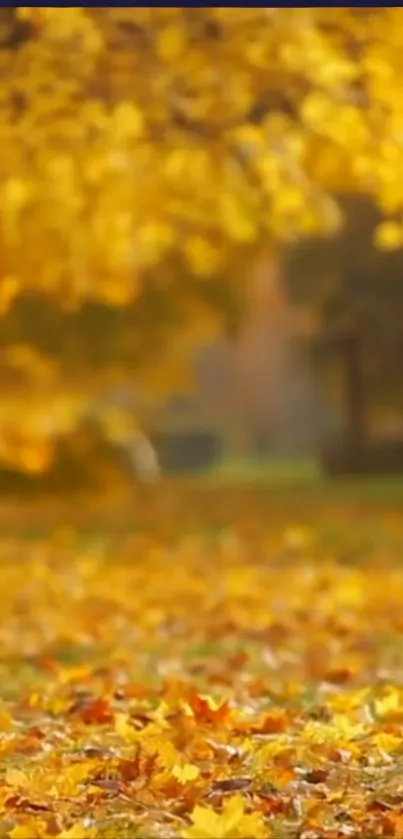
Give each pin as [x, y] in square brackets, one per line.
[271, 722]
[231, 823]
[205, 708]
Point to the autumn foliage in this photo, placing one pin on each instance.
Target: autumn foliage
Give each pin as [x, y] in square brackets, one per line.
[231, 669]
[147, 155]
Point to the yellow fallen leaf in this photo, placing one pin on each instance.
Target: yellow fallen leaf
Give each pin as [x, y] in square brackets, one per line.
[188, 772]
[124, 728]
[231, 823]
[387, 742]
[78, 831]
[68, 781]
[16, 778]
[32, 829]
[389, 704]
[274, 748]
[155, 744]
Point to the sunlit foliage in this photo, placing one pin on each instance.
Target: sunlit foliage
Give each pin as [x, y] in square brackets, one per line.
[160, 148]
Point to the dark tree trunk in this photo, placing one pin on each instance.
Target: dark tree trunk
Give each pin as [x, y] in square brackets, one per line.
[354, 388]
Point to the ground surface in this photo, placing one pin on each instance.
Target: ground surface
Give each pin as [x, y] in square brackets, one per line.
[204, 661]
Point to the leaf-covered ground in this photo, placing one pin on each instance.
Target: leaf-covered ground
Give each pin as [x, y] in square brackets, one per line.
[207, 664]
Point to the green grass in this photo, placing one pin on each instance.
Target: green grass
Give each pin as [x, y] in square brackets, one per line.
[292, 477]
[268, 469]
[293, 490]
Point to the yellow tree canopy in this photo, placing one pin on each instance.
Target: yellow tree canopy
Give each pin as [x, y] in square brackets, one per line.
[162, 147]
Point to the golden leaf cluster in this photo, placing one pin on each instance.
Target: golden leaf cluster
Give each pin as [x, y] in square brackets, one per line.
[133, 137]
[142, 143]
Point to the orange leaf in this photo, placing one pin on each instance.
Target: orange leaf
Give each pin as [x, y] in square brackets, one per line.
[272, 722]
[205, 709]
[99, 711]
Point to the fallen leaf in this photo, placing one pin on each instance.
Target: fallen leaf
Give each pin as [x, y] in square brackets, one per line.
[231, 823]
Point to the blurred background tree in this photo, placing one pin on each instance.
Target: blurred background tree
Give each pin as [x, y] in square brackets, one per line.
[149, 157]
[357, 292]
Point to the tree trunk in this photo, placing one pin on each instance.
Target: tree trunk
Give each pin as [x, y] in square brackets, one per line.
[354, 389]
